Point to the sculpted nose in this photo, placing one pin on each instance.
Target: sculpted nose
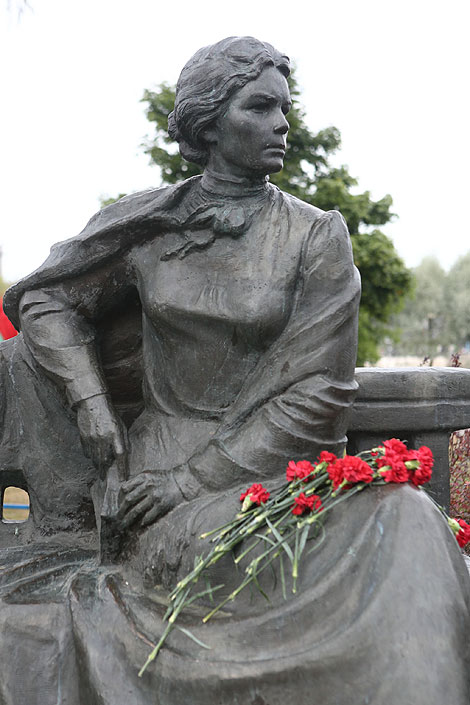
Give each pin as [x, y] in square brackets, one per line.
[282, 126]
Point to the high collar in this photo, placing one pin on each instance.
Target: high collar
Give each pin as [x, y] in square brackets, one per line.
[222, 186]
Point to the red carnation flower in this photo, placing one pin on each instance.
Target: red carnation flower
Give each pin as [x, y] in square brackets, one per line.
[326, 457]
[350, 470]
[393, 461]
[394, 469]
[257, 494]
[299, 471]
[302, 504]
[463, 537]
[393, 445]
[335, 472]
[423, 473]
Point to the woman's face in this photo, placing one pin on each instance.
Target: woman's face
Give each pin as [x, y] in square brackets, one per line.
[249, 139]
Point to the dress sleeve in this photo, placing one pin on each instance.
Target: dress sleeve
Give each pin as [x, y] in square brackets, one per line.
[58, 324]
[297, 401]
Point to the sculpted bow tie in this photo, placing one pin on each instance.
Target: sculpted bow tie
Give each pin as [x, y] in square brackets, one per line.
[210, 220]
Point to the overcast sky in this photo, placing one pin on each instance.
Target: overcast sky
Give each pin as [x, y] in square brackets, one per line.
[392, 75]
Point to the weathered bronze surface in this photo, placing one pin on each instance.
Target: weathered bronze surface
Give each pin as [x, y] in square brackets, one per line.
[189, 342]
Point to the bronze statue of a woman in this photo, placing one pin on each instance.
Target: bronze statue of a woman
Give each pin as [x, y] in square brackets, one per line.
[193, 339]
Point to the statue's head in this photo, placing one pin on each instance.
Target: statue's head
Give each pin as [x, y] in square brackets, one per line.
[208, 82]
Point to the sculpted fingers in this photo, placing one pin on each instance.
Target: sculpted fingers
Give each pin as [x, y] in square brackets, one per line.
[134, 482]
[151, 516]
[98, 452]
[133, 496]
[146, 497]
[102, 433]
[102, 450]
[136, 511]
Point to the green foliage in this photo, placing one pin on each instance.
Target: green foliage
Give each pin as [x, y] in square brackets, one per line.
[107, 200]
[333, 190]
[385, 284]
[423, 322]
[162, 149]
[436, 317]
[309, 175]
[456, 302]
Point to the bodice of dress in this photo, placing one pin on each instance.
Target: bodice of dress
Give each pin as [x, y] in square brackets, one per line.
[208, 317]
[248, 332]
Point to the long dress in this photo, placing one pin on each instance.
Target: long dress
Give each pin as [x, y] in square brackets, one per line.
[248, 311]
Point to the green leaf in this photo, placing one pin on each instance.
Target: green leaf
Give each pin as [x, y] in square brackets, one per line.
[194, 638]
[283, 577]
[281, 541]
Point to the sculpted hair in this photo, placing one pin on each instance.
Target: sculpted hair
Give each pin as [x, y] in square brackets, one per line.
[208, 80]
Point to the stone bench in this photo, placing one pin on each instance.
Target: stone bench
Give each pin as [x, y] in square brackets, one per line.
[422, 405]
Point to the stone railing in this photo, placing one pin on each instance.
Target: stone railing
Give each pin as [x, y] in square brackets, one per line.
[421, 405]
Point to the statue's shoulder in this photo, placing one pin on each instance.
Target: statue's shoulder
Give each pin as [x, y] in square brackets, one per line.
[110, 230]
[133, 200]
[108, 234]
[139, 203]
[312, 215]
[301, 209]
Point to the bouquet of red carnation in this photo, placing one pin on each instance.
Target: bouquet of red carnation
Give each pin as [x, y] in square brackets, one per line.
[283, 521]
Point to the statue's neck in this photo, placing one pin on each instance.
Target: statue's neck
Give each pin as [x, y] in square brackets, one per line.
[217, 184]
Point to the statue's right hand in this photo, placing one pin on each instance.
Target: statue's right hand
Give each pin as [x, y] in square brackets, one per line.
[103, 435]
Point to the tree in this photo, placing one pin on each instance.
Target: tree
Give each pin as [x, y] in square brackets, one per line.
[457, 302]
[436, 318]
[423, 321]
[309, 175]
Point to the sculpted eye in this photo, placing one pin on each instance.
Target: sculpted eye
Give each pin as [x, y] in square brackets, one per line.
[259, 107]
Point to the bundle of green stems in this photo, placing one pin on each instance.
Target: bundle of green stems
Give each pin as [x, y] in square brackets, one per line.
[281, 535]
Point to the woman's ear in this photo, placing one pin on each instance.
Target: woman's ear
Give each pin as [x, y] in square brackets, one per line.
[210, 135]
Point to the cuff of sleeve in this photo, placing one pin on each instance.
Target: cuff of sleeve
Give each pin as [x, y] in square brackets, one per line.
[82, 388]
[215, 469]
[186, 482]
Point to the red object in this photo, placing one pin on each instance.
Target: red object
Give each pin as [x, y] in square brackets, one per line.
[395, 469]
[395, 459]
[257, 492]
[299, 471]
[424, 473]
[463, 537]
[6, 327]
[326, 457]
[302, 504]
[393, 445]
[396, 454]
[350, 469]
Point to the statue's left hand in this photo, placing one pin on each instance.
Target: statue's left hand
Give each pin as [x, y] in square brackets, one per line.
[147, 497]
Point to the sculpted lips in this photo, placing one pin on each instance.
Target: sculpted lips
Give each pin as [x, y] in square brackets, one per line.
[278, 147]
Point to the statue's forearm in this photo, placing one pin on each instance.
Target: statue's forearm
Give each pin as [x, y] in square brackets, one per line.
[62, 343]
